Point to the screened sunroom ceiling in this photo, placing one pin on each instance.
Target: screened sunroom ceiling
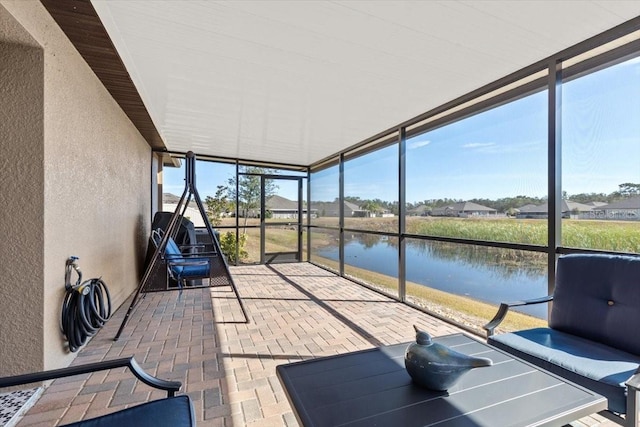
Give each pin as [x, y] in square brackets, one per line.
[296, 81]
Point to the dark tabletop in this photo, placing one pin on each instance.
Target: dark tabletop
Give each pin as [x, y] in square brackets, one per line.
[372, 388]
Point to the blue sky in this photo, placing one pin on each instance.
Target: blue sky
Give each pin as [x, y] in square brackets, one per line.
[208, 177]
[498, 153]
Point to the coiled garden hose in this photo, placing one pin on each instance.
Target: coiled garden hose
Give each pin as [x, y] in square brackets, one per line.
[86, 307]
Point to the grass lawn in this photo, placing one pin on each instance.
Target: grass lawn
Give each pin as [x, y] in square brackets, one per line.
[619, 236]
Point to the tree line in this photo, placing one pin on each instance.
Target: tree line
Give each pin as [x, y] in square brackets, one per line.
[624, 191]
[248, 196]
[504, 204]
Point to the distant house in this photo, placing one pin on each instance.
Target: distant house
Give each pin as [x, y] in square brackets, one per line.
[192, 213]
[533, 211]
[420, 210]
[279, 207]
[284, 208]
[332, 209]
[351, 209]
[527, 211]
[596, 204]
[463, 209]
[569, 210]
[627, 209]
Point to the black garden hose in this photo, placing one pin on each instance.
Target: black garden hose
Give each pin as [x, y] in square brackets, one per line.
[85, 309]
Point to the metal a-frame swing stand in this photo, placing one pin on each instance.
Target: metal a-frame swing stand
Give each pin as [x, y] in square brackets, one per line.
[219, 263]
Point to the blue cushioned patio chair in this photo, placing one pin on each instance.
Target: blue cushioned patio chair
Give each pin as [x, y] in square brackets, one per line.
[172, 411]
[183, 266]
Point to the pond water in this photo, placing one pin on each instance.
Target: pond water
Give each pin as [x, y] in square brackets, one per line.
[490, 275]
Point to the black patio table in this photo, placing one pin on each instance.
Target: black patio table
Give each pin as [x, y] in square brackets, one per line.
[372, 388]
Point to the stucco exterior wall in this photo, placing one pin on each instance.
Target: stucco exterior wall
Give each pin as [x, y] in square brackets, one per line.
[97, 172]
[21, 198]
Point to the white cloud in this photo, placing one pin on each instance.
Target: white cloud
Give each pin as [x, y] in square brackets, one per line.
[417, 144]
[479, 145]
[512, 148]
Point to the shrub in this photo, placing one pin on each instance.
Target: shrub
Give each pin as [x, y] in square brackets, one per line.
[228, 246]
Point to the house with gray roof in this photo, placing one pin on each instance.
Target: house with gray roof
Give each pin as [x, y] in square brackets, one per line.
[283, 208]
[569, 210]
[332, 209]
[192, 213]
[627, 210]
[464, 209]
[351, 209]
[596, 204]
[420, 210]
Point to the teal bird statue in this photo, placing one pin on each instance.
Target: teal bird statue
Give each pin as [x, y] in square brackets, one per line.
[436, 366]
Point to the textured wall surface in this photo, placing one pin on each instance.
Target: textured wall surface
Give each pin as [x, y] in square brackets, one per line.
[21, 198]
[96, 170]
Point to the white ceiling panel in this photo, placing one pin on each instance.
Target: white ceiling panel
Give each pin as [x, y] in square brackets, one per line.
[294, 82]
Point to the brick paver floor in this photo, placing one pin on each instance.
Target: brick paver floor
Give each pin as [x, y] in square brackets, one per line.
[297, 312]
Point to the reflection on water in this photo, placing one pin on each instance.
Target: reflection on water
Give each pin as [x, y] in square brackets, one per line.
[505, 263]
[487, 274]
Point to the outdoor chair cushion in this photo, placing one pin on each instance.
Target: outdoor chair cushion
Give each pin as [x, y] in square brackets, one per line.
[171, 412]
[196, 267]
[597, 297]
[595, 366]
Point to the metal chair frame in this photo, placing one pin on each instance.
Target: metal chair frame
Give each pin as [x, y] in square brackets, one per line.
[190, 191]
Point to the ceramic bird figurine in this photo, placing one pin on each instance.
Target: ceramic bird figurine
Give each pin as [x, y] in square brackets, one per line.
[436, 366]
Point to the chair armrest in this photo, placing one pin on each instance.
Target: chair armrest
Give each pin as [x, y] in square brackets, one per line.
[171, 387]
[193, 255]
[195, 245]
[634, 381]
[504, 308]
[185, 263]
[199, 249]
[206, 254]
